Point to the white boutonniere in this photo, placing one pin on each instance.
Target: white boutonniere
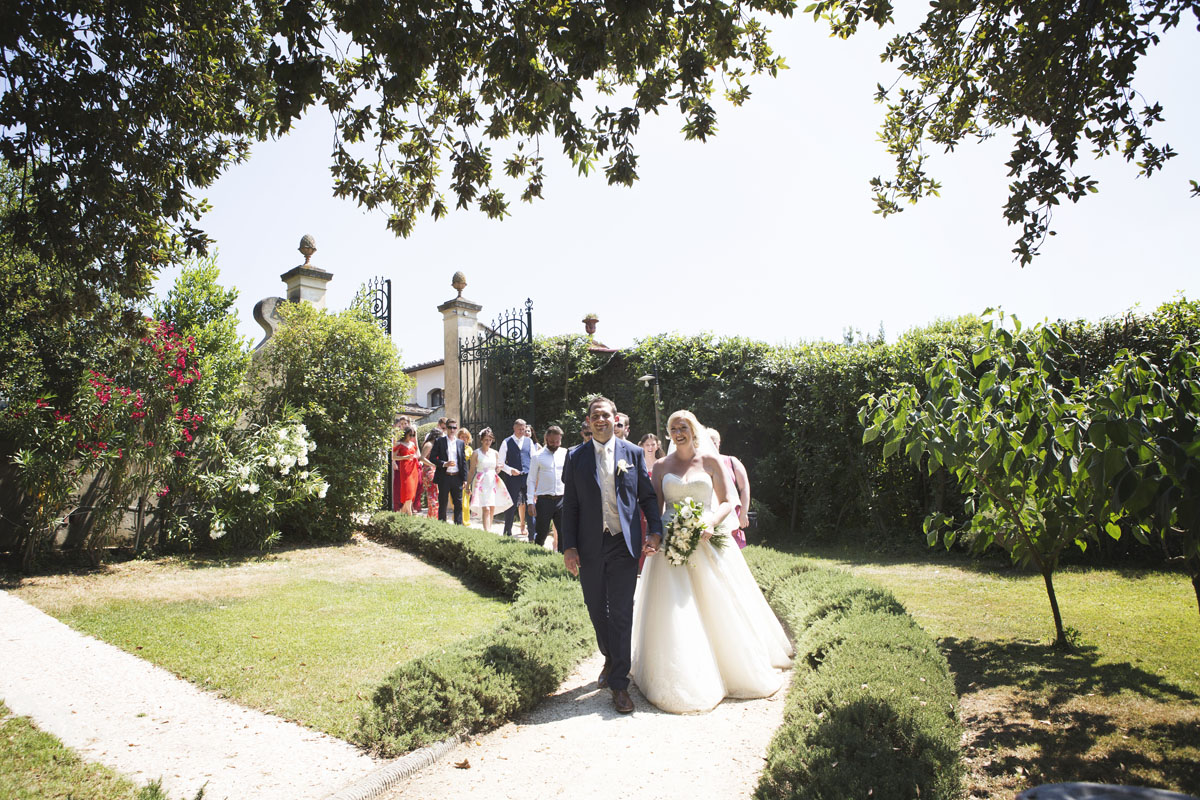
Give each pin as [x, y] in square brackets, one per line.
[622, 467]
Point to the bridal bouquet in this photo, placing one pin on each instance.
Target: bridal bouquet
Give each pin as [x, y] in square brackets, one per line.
[683, 532]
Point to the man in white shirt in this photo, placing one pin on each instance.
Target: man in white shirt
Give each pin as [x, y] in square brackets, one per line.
[545, 489]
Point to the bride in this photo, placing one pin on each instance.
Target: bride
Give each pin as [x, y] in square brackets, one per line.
[702, 631]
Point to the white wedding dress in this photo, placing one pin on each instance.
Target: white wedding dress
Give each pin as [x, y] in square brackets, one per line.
[703, 632]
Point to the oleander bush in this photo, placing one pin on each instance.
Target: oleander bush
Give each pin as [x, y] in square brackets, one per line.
[483, 681]
[872, 711]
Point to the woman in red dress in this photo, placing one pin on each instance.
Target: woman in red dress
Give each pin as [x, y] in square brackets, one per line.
[406, 471]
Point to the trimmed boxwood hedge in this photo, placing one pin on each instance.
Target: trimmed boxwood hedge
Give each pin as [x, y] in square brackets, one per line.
[871, 713]
[483, 681]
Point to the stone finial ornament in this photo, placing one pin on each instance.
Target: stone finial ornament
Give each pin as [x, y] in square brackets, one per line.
[308, 246]
[459, 282]
[589, 324]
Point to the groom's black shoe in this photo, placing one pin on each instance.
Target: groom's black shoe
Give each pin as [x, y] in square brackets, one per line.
[622, 701]
[602, 681]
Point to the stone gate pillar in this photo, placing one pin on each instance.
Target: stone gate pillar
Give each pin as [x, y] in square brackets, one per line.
[306, 282]
[460, 320]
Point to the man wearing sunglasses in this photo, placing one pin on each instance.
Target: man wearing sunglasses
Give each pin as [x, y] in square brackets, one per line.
[449, 457]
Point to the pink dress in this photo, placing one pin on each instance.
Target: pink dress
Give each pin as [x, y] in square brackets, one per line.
[488, 489]
[738, 534]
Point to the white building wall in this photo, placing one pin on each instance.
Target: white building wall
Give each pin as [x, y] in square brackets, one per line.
[427, 379]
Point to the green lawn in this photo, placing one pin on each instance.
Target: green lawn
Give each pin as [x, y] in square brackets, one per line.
[36, 766]
[1140, 618]
[306, 635]
[1121, 708]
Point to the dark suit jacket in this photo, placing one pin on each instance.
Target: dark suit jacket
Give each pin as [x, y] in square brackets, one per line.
[440, 454]
[583, 516]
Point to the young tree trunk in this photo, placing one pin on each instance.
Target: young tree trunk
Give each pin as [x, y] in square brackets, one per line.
[1060, 640]
[1194, 569]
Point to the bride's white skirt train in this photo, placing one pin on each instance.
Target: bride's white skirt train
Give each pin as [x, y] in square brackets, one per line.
[703, 632]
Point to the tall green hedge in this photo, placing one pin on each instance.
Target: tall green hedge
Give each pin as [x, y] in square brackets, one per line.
[789, 411]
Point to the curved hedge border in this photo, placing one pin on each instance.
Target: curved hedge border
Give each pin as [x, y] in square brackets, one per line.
[871, 713]
[874, 715]
[484, 681]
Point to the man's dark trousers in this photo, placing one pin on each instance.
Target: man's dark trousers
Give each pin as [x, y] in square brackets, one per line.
[608, 584]
[516, 485]
[548, 509]
[452, 489]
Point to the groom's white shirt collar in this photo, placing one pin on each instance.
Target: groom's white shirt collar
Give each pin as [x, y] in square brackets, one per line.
[610, 445]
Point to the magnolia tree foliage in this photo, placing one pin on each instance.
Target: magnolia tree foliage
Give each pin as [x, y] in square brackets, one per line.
[112, 114]
[1010, 424]
[1058, 76]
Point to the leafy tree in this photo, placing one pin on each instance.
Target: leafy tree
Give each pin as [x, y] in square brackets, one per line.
[112, 114]
[1058, 75]
[1014, 437]
[343, 375]
[1147, 427]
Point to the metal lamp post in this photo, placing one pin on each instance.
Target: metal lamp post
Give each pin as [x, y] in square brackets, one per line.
[648, 380]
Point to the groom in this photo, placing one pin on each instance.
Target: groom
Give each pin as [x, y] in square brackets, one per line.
[605, 482]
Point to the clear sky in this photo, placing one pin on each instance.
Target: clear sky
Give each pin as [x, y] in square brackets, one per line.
[766, 231]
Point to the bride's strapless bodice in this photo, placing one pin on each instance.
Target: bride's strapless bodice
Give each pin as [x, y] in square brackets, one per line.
[676, 489]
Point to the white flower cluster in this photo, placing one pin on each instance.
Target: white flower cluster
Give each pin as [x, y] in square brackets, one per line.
[684, 530]
[217, 529]
[291, 449]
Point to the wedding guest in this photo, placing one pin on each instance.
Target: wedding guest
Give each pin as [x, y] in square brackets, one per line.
[585, 433]
[406, 471]
[488, 492]
[449, 454]
[530, 510]
[465, 435]
[621, 426]
[649, 445]
[516, 451]
[429, 491]
[740, 481]
[545, 489]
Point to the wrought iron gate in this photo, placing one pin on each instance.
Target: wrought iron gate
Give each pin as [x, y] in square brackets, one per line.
[376, 297]
[495, 375]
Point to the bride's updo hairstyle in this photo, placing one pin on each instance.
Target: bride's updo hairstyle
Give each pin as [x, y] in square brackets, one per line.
[700, 441]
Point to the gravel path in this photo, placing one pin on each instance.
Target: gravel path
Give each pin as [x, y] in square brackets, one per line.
[574, 744]
[124, 712]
